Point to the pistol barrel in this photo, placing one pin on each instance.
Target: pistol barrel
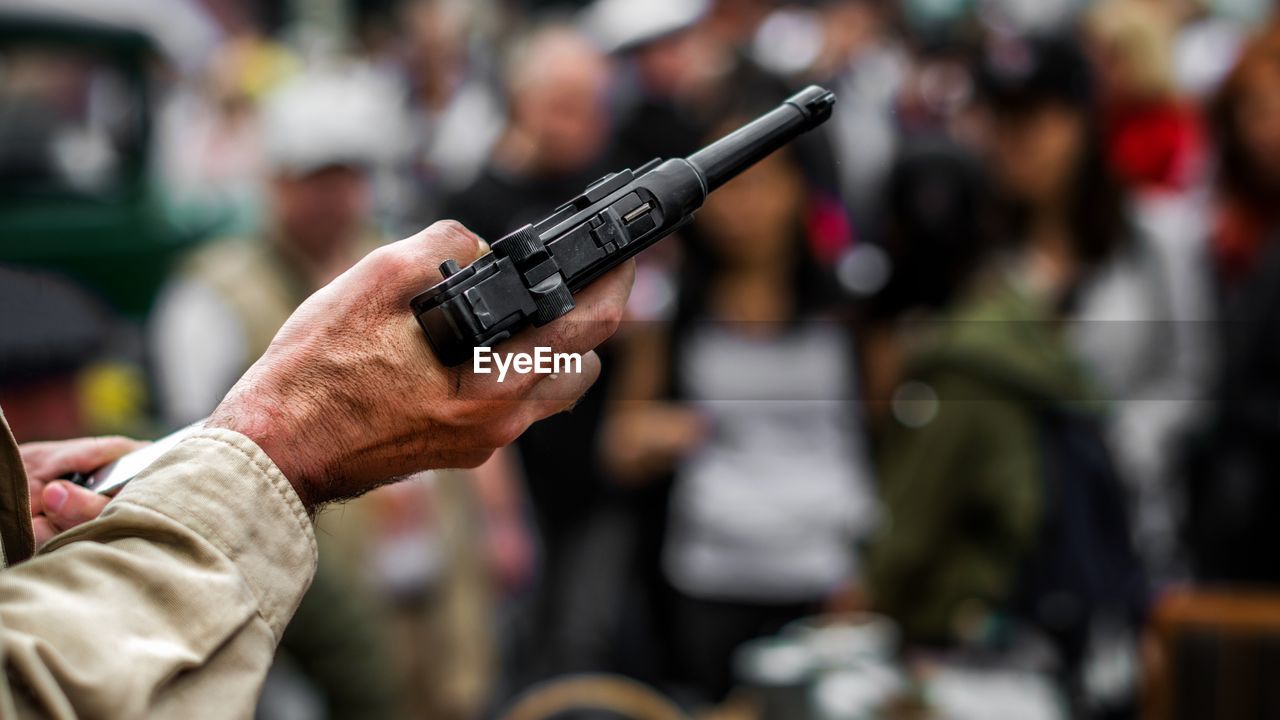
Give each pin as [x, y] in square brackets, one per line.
[721, 161]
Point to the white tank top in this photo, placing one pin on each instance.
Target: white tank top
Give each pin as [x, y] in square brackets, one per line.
[770, 509]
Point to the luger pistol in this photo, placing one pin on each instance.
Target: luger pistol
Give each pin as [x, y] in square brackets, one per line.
[530, 276]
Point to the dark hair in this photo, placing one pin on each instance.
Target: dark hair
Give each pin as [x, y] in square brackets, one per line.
[1099, 221]
[815, 286]
[1237, 174]
[1022, 76]
[937, 210]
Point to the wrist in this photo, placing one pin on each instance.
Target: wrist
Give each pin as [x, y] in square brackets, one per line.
[272, 429]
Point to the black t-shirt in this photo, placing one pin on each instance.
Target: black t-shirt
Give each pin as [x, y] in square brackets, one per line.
[498, 202]
[558, 454]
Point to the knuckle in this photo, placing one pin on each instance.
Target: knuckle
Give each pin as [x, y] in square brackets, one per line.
[559, 333]
[454, 232]
[449, 226]
[505, 431]
[611, 316]
[386, 263]
[35, 460]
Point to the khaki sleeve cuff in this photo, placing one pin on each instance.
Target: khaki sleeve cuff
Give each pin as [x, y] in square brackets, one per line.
[221, 485]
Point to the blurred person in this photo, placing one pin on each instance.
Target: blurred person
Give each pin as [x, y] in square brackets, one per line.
[1232, 488]
[671, 75]
[556, 142]
[1138, 314]
[848, 46]
[997, 476]
[1105, 268]
[1157, 360]
[678, 69]
[1154, 139]
[683, 64]
[742, 409]
[171, 601]
[673, 69]
[936, 236]
[556, 138]
[209, 128]
[458, 111]
[325, 133]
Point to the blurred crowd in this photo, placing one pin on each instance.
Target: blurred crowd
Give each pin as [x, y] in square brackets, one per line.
[993, 354]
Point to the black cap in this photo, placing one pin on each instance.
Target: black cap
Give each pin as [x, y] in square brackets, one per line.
[51, 326]
[1019, 74]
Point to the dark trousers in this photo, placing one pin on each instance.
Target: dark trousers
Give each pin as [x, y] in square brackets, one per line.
[703, 635]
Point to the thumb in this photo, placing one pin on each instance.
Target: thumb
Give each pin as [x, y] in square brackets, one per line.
[67, 505]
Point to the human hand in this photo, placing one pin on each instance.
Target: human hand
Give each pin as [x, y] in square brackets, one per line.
[349, 395]
[645, 439]
[58, 505]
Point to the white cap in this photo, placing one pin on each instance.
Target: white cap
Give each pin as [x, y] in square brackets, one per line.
[346, 115]
[617, 25]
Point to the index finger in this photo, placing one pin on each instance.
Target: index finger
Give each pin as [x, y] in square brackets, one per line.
[596, 314]
[47, 461]
[413, 264]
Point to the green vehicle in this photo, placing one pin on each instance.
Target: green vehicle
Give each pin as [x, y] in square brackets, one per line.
[77, 191]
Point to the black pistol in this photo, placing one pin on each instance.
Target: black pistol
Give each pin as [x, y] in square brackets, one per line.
[531, 275]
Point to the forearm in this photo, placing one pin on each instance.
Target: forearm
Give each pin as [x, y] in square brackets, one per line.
[180, 589]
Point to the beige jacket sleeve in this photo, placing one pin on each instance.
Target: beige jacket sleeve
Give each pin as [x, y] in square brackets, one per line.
[168, 605]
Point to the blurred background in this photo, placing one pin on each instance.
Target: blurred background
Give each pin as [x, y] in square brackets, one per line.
[965, 406]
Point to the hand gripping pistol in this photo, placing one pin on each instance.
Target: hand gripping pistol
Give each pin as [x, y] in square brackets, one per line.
[531, 275]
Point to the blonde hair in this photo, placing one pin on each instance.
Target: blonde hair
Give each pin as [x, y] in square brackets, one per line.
[1141, 35]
